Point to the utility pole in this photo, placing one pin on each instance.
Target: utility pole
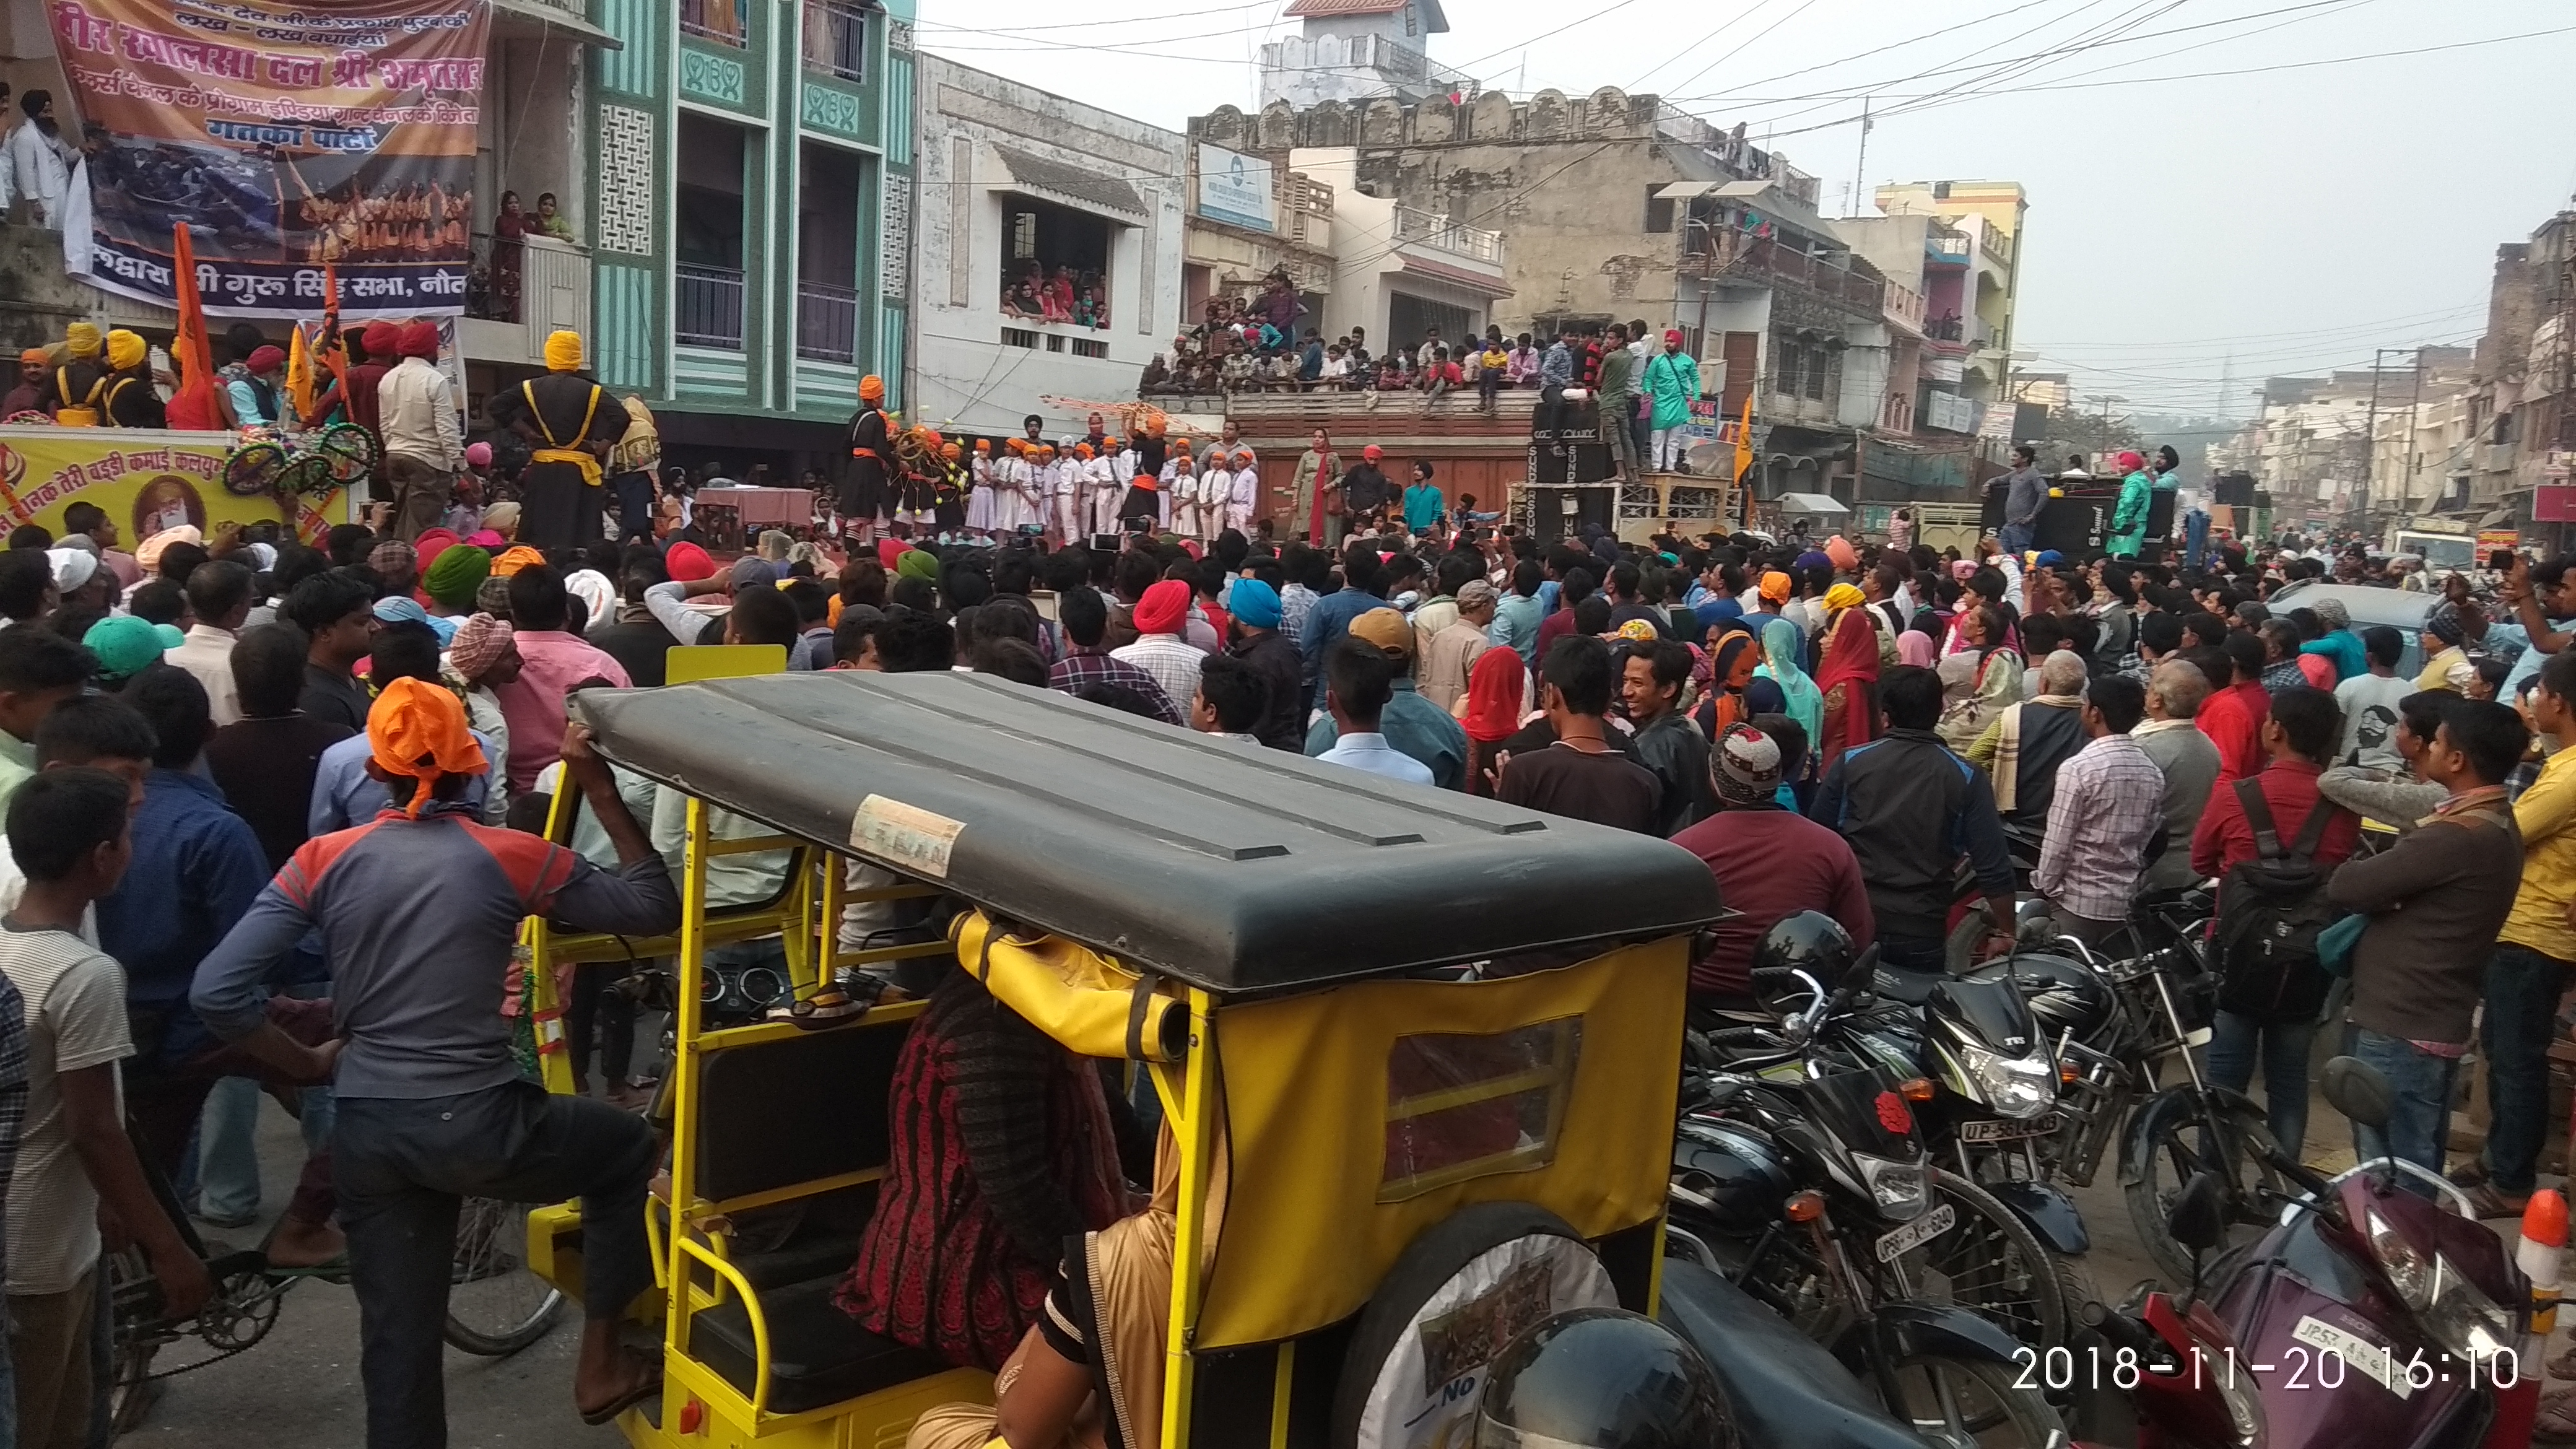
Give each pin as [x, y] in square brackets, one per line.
[2369, 444]
[1861, 161]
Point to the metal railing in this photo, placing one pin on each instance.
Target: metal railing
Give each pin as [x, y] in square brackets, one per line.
[1946, 244]
[1828, 276]
[1945, 329]
[706, 306]
[717, 20]
[1416, 227]
[827, 322]
[836, 38]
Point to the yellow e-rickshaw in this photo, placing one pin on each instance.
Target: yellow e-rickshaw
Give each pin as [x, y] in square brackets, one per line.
[1418, 1051]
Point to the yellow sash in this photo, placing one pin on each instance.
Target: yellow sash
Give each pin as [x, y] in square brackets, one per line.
[586, 462]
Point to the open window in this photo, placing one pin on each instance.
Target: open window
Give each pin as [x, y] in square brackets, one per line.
[1055, 262]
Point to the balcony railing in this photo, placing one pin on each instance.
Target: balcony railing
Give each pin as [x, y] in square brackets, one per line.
[827, 322]
[1944, 245]
[707, 307]
[716, 20]
[1904, 306]
[1945, 329]
[1416, 227]
[1828, 276]
[1997, 246]
[836, 38]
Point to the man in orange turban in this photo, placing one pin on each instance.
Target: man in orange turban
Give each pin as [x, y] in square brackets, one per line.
[417, 913]
[866, 496]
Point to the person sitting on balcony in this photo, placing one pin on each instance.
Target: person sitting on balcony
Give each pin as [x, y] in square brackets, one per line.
[1390, 373]
[1520, 369]
[1020, 299]
[568, 418]
[1058, 295]
[1438, 376]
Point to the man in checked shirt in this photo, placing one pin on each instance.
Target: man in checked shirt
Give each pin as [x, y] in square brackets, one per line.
[2109, 805]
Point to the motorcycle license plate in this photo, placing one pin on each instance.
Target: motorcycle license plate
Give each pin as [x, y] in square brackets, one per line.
[2006, 1129]
[1941, 1219]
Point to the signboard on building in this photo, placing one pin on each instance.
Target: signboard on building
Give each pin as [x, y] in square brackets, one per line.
[2554, 503]
[290, 135]
[1235, 189]
[1949, 412]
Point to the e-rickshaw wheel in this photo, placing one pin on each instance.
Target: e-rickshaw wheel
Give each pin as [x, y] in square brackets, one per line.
[1490, 1271]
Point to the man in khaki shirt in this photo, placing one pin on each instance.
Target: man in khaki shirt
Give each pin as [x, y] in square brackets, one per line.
[1454, 650]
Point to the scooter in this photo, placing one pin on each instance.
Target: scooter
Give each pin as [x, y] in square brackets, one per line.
[2160, 1372]
[2372, 1315]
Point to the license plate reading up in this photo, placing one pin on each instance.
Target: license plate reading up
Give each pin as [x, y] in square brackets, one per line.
[1941, 1219]
[2006, 1129]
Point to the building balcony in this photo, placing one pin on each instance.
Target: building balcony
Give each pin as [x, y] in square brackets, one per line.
[1945, 247]
[1415, 227]
[520, 291]
[1739, 258]
[1904, 307]
[706, 306]
[836, 39]
[1981, 335]
[1997, 247]
[827, 322]
[719, 21]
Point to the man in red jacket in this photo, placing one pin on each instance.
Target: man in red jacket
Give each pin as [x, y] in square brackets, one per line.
[2233, 716]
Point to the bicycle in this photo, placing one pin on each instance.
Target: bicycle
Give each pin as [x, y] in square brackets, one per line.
[495, 1308]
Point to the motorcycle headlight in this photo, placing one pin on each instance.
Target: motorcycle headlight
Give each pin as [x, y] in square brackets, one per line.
[1897, 1187]
[2455, 1312]
[2012, 1086]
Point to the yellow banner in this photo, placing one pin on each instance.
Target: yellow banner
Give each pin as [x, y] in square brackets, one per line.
[147, 481]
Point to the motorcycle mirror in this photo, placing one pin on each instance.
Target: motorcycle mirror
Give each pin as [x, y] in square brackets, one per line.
[2358, 1091]
[2198, 1219]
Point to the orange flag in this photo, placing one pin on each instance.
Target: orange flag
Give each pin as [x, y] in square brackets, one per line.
[196, 355]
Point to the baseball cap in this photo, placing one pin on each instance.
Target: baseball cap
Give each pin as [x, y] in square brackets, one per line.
[1386, 629]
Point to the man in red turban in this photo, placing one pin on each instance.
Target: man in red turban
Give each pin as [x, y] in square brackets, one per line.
[416, 418]
[1162, 613]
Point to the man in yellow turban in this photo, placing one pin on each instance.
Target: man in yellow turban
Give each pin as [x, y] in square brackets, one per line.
[76, 386]
[569, 421]
[129, 401]
[866, 496]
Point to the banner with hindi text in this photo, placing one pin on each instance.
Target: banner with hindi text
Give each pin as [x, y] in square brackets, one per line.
[287, 135]
[146, 481]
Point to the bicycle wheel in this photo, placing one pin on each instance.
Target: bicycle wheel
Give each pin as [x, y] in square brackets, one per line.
[1991, 1262]
[252, 470]
[496, 1305]
[349, 449]
[2233, 1141]
[1962, 1403]
[307, 472]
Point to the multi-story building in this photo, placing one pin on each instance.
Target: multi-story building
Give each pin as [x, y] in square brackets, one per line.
[532, 143]
[1018, 183]
[2421, 463]
[750, 239]
[1971, 274]
[1351, 50]
[2522, 423]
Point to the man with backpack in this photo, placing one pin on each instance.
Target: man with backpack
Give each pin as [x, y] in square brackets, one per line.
[2273, 841]
[2436, 900]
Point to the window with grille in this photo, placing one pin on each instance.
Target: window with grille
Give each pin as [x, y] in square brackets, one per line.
[717, 20]
[1786, 359]
[836, 38]
[1082, 348]
[1019, 337]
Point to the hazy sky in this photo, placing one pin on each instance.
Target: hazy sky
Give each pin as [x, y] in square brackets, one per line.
[2294, 215]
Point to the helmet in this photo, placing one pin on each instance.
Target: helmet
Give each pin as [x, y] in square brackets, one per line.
[2066, 996]
[1601, 1378]
[1809, 941]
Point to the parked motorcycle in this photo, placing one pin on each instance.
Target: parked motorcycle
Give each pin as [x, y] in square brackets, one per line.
[1798, 1174]
[2372, 1314]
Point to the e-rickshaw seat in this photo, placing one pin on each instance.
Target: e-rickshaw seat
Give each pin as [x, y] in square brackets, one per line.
[769, 1116]
[818, 1355]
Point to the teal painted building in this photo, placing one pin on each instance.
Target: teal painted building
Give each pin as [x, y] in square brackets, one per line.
[754, 217]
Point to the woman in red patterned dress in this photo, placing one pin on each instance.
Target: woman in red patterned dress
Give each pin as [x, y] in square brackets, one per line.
[1001, 1149]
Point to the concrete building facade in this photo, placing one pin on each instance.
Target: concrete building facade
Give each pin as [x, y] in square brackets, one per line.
[1352, 50]
[752, 232]
[1013, 177]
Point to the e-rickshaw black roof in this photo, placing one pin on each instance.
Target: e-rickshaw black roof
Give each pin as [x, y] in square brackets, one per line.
[1228, 866]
